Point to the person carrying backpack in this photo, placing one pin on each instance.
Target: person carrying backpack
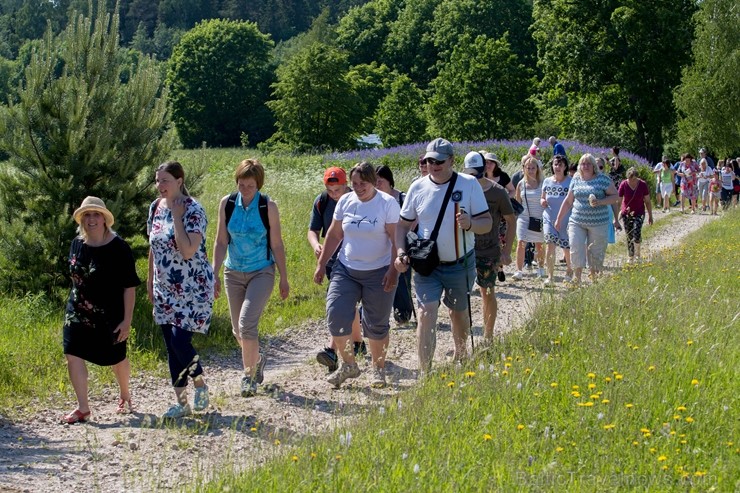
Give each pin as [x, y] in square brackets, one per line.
[250, 245]
[322, 213]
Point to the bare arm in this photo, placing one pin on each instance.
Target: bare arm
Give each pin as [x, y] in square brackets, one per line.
[565, 208]
[649, 208]
[334, 237]
[390, 279]
[124, 328]
[220, 245]
[315, 241]
[278, 247]
[402, 229]
[508, 239]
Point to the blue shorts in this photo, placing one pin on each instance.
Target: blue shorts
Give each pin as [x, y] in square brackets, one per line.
[450, 279]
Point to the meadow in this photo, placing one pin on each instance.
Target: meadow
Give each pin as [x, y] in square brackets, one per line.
[30, 327]
[631, 384]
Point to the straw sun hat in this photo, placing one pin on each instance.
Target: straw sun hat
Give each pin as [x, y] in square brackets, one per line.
[94, 204]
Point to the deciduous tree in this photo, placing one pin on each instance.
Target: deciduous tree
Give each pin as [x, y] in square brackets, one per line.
[708, 99]
[219, 80]
[314, 103]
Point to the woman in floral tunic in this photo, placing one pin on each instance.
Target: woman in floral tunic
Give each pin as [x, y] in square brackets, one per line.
[98, 316]
[180, 282]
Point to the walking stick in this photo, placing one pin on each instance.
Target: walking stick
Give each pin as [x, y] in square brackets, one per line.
[467, 283]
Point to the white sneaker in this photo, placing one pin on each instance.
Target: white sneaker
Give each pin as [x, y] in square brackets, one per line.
[518, 275]
[548, 282]
[540, 272]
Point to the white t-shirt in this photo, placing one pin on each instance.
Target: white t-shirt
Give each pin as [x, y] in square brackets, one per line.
[423, 202]
[366, 245]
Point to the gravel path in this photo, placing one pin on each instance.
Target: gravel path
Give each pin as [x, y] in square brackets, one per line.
[140, 453]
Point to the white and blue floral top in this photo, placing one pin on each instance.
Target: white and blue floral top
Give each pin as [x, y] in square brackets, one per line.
[183, 289]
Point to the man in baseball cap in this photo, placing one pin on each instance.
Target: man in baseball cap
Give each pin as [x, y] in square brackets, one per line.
[322, 214]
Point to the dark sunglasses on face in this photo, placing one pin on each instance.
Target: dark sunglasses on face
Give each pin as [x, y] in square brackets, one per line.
[433, 161]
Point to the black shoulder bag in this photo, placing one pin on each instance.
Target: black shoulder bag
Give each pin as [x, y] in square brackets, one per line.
[422, 252]
[535, 224]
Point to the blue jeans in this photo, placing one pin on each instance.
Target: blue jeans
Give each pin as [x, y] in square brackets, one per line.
[182, 358]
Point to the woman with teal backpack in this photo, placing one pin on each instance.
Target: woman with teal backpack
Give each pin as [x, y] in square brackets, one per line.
[250, 245]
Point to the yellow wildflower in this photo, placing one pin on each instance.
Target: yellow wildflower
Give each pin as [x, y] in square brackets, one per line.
[609, 426]
[608, 379]
[689, 342]
[651, 368]
[591, 375]
[629, 405]
[605, 401]
[591, 386]
[520, 427]
[294, 458]
[486, 437]
[681, 408]
[689, 419]
[694, 382]
[470, 374]
[554, 385]
[277, 442]
[451, 384]
[559, 449]
[662, 458]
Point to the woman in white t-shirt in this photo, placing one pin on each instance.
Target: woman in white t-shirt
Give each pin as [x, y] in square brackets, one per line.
[364, 224]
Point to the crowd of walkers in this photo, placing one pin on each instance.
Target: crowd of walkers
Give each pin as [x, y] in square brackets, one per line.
[383, 252]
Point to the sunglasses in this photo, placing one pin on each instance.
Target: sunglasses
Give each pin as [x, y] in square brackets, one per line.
[434, 162]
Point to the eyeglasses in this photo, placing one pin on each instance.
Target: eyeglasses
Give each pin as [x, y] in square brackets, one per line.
[434, 162]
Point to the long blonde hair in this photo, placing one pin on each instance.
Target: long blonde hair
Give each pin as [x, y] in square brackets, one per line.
[526, 160]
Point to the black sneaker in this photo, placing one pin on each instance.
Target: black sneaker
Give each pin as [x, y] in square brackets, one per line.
[249, 386]
[328, 358]
[501, 276]
[360, 349]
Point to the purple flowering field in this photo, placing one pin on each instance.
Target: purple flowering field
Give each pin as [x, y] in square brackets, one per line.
[509, 151]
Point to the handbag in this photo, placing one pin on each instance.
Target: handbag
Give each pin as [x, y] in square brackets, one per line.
[535, 224]
[422, 252]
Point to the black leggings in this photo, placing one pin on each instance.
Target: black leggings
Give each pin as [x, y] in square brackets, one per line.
[633, 228]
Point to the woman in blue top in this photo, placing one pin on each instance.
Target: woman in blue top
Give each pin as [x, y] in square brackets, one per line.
[590, 196]
[251, 251]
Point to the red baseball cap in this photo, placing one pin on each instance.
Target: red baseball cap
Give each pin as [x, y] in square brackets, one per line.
[335, 176]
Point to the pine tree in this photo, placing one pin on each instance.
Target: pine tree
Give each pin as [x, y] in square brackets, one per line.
[76, 130]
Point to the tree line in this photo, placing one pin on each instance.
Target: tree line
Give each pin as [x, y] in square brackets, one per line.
[83, 104]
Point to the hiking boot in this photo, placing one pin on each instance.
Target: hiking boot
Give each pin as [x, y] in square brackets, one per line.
[343, 373]
[200, 400]
[328, 358]
[259, 375]
[177, 411]
[360, 349]
[377, 380]
[249, 386]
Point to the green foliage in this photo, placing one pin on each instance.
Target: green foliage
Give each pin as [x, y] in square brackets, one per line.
[219, 79]
[410, 47]
[401, 117]
[603, 390]
[363, 30]
[481, 93]
[708, 99]
[314, 103]
[619, 59]
[371, 83]
[75, 130]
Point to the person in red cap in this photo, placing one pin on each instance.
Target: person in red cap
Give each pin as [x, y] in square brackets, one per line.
[322, 213]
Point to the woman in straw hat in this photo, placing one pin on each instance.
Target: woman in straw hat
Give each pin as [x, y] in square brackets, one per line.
[98, 316]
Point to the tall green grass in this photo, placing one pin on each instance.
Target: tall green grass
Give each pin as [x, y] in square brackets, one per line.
[630, 384]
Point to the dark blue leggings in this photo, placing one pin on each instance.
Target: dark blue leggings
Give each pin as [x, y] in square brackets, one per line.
[182, 358]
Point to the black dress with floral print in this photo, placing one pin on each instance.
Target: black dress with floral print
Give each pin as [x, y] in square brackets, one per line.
[95, 305]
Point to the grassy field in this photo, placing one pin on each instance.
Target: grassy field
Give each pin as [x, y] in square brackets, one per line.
[631, 384]
[293, 181]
